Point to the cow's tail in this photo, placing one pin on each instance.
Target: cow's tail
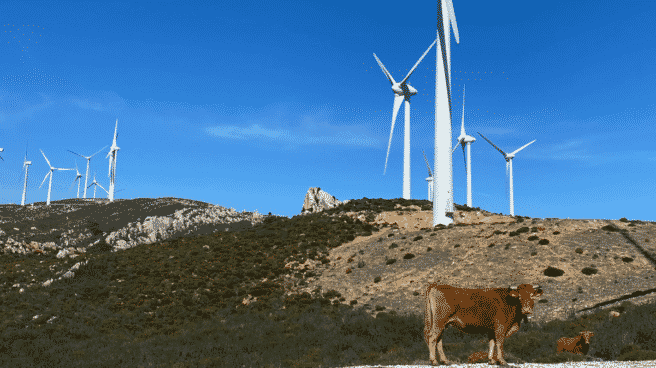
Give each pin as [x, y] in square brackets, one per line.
[430, 308]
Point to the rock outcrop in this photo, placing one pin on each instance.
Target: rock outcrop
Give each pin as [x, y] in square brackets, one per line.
[317, 200]
[184, 222]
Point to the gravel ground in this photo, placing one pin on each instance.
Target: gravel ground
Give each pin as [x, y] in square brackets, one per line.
[646, 363]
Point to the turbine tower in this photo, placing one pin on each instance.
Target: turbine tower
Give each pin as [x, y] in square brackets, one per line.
[402, 91]
[443, 178]
[113, 150]
[96, 184]
[509, 157]
[429, 179]
[86, 179]
[463, 140]
[26, 165]
[76, 179]
[49, 173]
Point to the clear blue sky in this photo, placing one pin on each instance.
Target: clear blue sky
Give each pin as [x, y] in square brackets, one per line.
[248, 104]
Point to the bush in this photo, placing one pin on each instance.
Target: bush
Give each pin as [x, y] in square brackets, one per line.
[553, 272]
[589, 271]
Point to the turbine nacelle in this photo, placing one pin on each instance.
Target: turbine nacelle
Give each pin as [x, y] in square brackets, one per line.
[404, 89]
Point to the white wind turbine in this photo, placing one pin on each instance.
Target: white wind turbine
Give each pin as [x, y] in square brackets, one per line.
[49, 173]
[463, 140]
[429, 179]
[26, 165]
[402, 91]
[509, 157]
[2, 150]
[443, 173]
[96, 184]
[86, 179]
[113, 150]
[76, 179]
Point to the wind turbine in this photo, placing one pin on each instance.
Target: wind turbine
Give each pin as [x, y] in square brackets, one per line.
[463, 140]
[429, 179]
[2, 150]
[49, 173]
[509, 157]
[86, 179]
[402, 91]
[96, 184]
[26, 165]
[113, 150]
[76, 179]
[443, 179]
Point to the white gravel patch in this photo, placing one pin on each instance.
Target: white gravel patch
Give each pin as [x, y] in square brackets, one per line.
[640, 364]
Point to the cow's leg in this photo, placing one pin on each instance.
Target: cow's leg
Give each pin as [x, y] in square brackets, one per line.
[441, 351]
[433, 337]
[500, 334]
[490, 355]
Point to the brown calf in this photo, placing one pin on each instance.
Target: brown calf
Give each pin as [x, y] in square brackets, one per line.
[577, 345]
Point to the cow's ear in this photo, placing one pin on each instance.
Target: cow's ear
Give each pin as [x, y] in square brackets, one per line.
[537, 294]
[514, 293]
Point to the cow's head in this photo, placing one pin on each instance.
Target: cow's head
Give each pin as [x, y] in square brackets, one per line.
[587, 335]
[526, 294]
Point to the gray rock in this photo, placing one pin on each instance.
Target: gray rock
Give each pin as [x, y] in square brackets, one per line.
[317, 200]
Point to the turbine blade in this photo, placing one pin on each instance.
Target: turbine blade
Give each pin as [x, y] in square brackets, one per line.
[463, 155]
[524, 146]
[44, 156]
[417, 63]
[44, 179]
[76, 153]
[488, 141]
[452, 18]
[462, 128]
[425, 159]
[73, 183]
[456, 146]
[97, 152]
[397, 104]
[387, 74]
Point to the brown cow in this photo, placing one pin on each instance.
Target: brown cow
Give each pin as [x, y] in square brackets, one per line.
[577, 345]
[495, 312]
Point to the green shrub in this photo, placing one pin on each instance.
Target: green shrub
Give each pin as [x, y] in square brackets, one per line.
[589, 271]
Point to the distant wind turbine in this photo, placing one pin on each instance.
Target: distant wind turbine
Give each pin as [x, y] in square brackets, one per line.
[52, 169]
[2, 150]
[443, 173]
[113, 150]
[76, 179]
[463, 140]
[26, 165]
[88, 158]
[402, 91]
[96, 184]
[509, 157]
[429, 179]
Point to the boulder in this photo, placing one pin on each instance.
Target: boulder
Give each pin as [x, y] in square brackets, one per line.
[317, 200]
